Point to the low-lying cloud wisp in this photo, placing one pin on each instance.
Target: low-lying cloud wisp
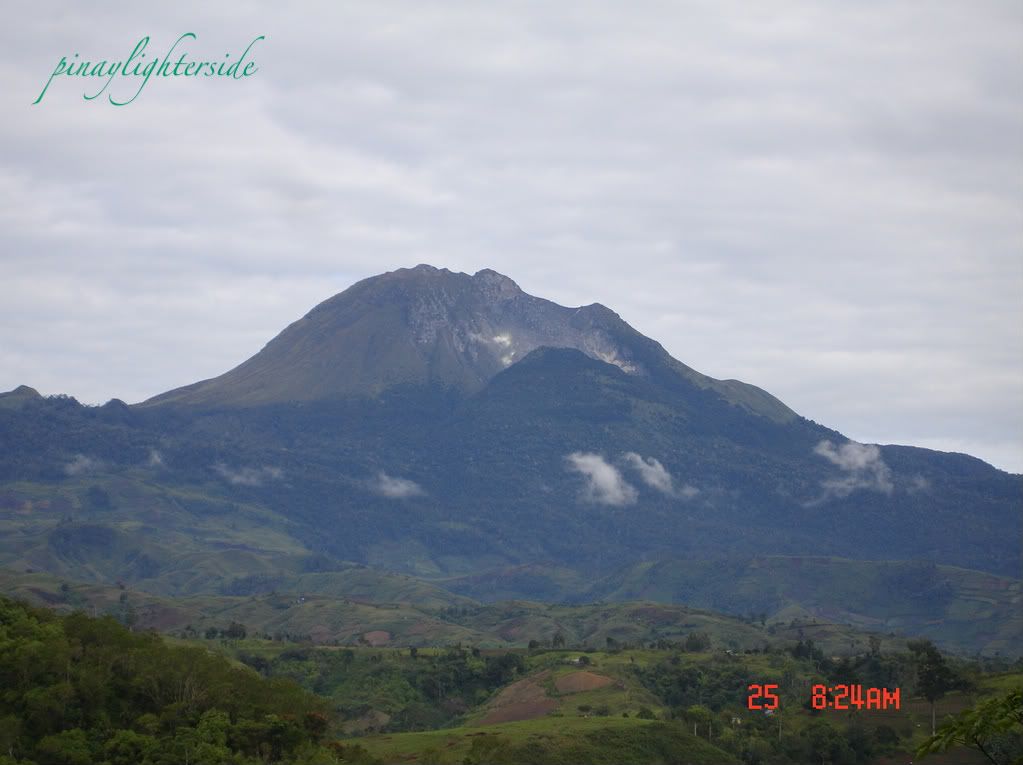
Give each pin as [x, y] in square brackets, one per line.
[395, 488]
[248, 476]
[861, 464]
[604, 483]
[656, 476]
[652, 472]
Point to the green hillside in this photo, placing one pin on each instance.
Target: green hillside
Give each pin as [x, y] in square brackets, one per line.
[962, 609]
[629, 704]
[350, 620]
[177, 541]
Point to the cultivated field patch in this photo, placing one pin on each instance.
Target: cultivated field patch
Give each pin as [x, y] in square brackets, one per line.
[524, 699]
[576, 682]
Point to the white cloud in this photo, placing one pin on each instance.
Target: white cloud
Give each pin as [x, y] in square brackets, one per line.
[396, 488]
[155, 459]
[248, 476]
[652, 472]
[656, 476]
[862, 465]
[82, 464]
[604, 484]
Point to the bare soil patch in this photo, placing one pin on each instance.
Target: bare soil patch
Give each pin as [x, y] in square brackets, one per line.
[378, 637]
[576, 682]
[524, 699]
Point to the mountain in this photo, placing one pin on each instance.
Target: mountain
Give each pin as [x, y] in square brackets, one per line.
[451, 427]
[429, 326]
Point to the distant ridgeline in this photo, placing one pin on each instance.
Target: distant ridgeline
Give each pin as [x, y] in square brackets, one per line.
[453, 428]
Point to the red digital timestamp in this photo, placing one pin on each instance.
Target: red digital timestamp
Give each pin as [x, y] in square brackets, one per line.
[764, 697]
[854, 697]
[769, 694]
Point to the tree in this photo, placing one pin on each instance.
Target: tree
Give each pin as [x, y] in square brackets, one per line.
[826, 745]
[71, 747]
[126, 747]
[875, 645]
[934, 677]
[10, 729]
[994, 728]
[698, 715]
[559, 640]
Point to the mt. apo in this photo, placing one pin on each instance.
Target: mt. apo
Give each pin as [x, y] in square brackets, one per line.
[452, 426]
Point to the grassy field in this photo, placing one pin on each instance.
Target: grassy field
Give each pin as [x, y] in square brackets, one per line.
[551, 740]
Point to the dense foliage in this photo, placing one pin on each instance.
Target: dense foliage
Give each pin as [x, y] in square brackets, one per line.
[76, 690]
[416, 690]
[705, 696]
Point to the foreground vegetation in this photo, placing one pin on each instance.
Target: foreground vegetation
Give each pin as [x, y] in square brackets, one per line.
[628, 703]
[78, 690]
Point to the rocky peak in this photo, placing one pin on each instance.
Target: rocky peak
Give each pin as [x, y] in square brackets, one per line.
[426, 326]
[495, 285]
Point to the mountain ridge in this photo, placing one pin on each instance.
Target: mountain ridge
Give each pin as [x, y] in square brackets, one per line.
[425, 326]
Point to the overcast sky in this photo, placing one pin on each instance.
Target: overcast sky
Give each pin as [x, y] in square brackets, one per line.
[822, 199]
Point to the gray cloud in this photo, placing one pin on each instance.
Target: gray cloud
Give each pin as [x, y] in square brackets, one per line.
[862, 466]
[818, 199]
[395, 488]
[604, 483]
[248, 476]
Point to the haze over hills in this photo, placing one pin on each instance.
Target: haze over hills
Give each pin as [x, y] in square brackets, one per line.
[450, 426]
